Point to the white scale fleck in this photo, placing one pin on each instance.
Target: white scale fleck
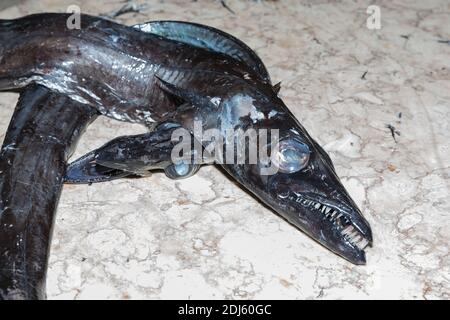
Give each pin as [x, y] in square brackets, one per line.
[89, 93]
[148, 116]
[216, 101]
[144, 27]
[114, 38]
[256, 115]
[272, 114]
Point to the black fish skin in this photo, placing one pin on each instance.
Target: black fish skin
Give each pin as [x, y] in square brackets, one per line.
[107, 65]
[35, 162]
[88, 170]
[336, 224]
[41, 136]
[138, 77]
[229, 100]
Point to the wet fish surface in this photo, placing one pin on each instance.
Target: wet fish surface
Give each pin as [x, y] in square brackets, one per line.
[41, 136]
[142, 77]
[107, 65]
[24, 266]
[310, 196]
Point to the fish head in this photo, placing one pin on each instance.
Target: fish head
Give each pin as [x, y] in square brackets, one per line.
[299, 181]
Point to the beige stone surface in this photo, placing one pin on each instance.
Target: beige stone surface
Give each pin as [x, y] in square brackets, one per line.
[204, 237]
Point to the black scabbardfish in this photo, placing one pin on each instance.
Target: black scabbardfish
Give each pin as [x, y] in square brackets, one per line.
[23, 268]
[140, 77]
[312, 197]
[41, 136]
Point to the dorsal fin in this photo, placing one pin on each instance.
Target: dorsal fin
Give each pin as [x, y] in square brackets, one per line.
[207, 38]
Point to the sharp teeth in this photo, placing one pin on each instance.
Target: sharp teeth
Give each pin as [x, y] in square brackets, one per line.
[327, 210]
[363, 243]
[317, 206]
[340, 215]
[352, 235]
[347, 230]
[355, 236]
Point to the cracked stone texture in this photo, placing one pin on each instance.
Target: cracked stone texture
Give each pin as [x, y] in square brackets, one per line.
[204, 237]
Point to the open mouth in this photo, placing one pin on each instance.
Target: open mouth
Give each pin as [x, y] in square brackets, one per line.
[337, 217]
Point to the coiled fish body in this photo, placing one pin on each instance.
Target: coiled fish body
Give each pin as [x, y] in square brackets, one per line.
[42, 135]
[107, 65]
[139, 77]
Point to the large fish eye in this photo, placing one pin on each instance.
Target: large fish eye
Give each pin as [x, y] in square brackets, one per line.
[292, 156]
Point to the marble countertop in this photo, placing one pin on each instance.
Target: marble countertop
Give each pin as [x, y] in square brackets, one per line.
[204, 237]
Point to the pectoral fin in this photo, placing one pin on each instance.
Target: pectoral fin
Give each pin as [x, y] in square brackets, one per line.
[86, 171]
[131, 156]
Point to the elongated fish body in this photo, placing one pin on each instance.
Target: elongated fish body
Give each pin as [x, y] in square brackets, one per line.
[153, 146]
[306, 190]
[139, 77]
[110, 66]
[28, 156]
[41, 136]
